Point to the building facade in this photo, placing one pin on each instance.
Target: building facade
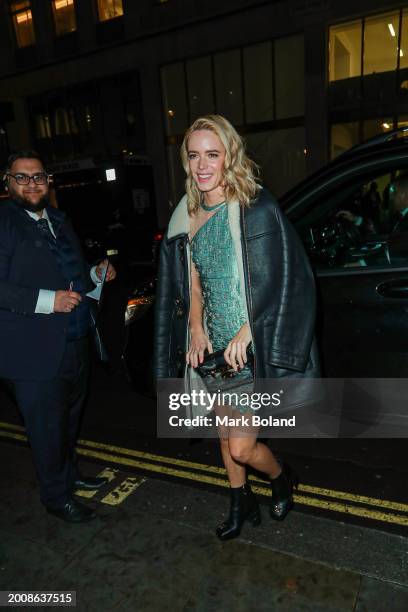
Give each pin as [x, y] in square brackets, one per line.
[99, 85]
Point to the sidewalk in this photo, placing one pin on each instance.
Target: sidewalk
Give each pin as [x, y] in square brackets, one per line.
[156, 551]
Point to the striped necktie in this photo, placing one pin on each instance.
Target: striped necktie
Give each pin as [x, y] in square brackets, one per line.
[44, 228]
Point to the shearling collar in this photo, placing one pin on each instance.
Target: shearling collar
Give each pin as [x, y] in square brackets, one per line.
[180, 220]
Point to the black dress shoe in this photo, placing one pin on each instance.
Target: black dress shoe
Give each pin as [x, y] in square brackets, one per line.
[90, 483]
[73, 512]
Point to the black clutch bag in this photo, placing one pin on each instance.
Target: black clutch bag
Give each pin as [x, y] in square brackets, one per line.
[214, 365]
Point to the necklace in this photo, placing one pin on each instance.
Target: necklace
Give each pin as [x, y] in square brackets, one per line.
[211, 208]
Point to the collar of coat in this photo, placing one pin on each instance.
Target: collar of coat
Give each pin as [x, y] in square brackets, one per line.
[180, 221]
[56, 216]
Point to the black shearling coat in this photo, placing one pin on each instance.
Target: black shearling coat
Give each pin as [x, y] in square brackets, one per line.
[279, 288]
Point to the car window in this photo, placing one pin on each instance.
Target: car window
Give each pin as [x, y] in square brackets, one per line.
[363, 223]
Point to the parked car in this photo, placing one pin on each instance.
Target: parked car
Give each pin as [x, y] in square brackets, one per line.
[361, 266]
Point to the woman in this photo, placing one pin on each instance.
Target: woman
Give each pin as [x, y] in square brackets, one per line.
[233, 276]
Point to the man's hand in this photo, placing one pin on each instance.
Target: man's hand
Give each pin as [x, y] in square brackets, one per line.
[111, 272]
[66, 301]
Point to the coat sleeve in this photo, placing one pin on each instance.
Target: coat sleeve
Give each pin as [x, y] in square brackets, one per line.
[298, 295]
[163, 314]
[13, 297]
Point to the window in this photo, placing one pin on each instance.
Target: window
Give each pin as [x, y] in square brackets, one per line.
[373, 127]
[42, 126]
[174, 98]
[289, 77]
[358, 224]
[257, 88]
[200, 88]
[404, 40]
[345, 51]
[402, 121]
[381, 43]
[258, 83]
[109, 9]
[23, 23]
[65, 121]
[343, 137]
[228, 85]
[281, 155]
[64, 16]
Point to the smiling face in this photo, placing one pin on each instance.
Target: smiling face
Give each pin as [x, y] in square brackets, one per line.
[32, 197]
[206, 157]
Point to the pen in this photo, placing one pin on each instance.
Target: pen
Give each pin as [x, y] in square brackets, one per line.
[71, 284]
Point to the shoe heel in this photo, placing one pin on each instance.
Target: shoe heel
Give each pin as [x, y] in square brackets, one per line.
[292, 476]
[254, 517]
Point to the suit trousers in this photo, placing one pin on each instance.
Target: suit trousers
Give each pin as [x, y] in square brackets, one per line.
[52, 411]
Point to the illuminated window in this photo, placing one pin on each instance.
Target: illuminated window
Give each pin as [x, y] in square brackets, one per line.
[404, 40]
[109, 9]
[23, 23]
[343, 137]
[373, 127]
[42, 126]
[381, 43]
[64, 16]
[402, 121]
[345, 51]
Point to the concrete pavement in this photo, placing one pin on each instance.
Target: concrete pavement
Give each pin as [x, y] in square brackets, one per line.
[153, 548]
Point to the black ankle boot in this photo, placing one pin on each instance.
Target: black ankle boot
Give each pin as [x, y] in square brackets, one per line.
[282, 493]
[243, 507]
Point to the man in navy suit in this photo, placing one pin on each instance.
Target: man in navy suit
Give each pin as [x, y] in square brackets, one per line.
[44, 327]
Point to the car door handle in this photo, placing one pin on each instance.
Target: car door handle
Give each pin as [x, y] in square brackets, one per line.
[394, 289]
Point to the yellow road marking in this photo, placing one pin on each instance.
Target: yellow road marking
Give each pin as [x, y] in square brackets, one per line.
[307, 501]
[116, 497]
[319, 503]
[11, 426]
[8, 434]
[372, 501]
[109, 473]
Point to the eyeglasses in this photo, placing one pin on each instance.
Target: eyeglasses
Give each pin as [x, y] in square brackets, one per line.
[24, 179]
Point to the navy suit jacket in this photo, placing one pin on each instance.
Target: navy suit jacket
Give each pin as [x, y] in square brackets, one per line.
[31, 345]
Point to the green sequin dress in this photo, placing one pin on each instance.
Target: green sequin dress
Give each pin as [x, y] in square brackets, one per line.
[214, 258]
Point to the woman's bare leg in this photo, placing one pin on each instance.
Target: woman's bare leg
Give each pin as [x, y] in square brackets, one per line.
[236, 471]
[248, 451]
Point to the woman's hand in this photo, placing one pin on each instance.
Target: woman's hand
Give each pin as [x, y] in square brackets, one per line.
[235, 354]
[199, 343]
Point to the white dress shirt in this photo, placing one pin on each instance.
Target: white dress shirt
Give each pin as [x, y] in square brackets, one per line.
[46, 297]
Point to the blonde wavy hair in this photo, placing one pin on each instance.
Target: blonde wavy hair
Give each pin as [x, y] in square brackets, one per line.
[240, 176]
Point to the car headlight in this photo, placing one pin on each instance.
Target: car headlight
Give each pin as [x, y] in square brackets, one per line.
[137, 307]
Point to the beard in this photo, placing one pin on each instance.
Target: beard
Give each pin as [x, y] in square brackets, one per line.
[34, 208]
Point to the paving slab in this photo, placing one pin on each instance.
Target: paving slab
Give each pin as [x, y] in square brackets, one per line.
[377, 596]
[157, 551]
[368, 552]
